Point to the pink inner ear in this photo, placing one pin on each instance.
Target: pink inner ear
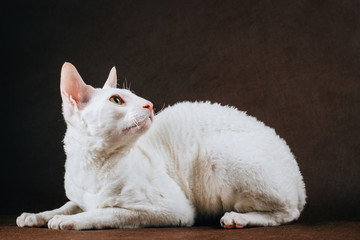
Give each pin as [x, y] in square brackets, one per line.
[72, 87]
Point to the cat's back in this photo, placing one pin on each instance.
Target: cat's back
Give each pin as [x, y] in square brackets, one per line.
[183, 127]
[186, 130]
[183, 132]
[201, 117]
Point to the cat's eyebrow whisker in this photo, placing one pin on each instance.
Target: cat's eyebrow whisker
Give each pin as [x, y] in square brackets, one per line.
[126, 84]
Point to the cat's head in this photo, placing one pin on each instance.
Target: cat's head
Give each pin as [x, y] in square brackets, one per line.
[109, 114]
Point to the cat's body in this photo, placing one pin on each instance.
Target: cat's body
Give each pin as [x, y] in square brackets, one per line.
[196, 159]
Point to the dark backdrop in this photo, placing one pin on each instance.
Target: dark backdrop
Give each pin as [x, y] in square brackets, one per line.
[292, 64]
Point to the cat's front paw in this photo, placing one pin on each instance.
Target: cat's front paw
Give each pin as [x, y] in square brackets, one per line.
[64, 222]
[233, 220]
[31, 220]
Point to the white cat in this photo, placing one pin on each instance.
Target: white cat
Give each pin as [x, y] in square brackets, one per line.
[125, 169]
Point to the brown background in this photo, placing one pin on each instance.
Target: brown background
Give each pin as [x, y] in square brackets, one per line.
[293, 64]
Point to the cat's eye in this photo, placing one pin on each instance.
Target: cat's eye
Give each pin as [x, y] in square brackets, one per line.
[117, 100]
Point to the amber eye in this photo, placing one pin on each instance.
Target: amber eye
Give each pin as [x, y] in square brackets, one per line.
[116, 99]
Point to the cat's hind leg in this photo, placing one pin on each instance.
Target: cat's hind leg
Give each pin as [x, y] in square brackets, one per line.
[41, 219]
[258, 219]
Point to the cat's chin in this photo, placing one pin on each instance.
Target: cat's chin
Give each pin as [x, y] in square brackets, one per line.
[141, 126]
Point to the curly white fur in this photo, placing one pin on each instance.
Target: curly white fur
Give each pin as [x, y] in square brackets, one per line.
[125, 169]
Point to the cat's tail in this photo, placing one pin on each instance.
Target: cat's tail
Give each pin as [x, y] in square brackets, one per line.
[301, 196]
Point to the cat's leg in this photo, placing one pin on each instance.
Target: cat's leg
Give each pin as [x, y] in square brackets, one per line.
[240, 220]
[41, 219]
[118, 218]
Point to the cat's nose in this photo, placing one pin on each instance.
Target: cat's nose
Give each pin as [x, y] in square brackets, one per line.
[149, 106]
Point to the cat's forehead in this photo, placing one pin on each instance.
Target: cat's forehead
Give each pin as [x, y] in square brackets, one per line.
[108, 92]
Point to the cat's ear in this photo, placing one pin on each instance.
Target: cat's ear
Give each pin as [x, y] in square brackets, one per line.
[74, 92]
[111, 81]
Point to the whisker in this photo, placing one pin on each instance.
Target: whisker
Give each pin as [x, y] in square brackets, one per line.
[136, 123]
[125, 84]
[162, 108]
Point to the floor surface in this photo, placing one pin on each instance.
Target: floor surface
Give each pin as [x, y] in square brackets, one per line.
[325, 230]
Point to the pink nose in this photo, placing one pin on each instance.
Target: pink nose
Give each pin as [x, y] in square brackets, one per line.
[149, 106]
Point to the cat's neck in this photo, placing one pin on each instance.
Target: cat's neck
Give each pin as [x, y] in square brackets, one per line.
[92, 152]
